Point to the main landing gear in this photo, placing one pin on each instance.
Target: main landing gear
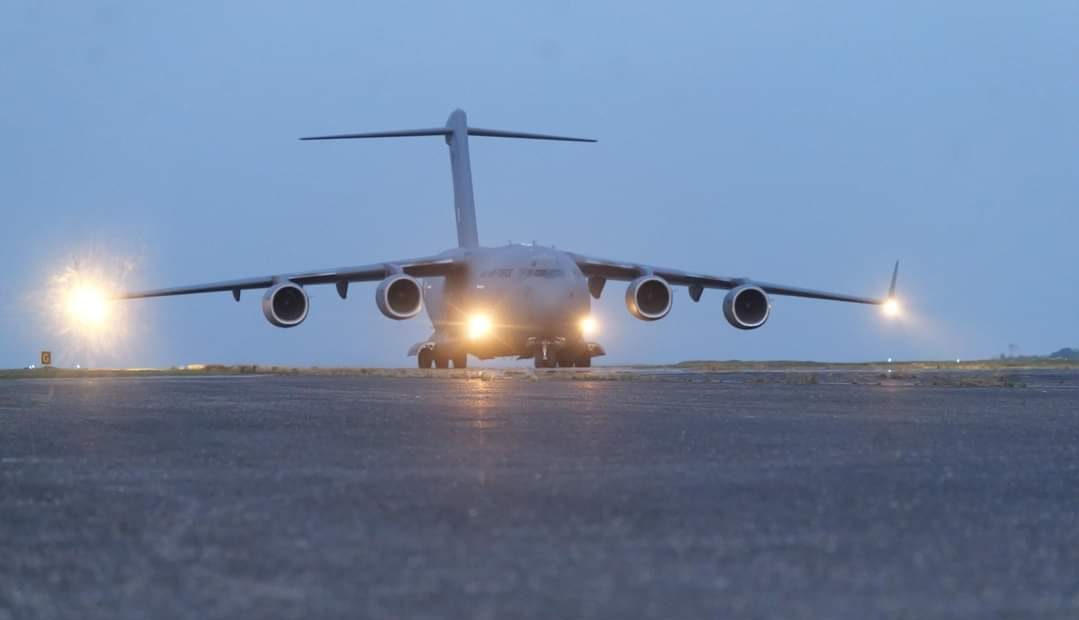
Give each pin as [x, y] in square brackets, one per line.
[432, 358]
[553, 353]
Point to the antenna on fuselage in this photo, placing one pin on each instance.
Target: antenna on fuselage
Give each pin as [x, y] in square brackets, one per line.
[456, 133]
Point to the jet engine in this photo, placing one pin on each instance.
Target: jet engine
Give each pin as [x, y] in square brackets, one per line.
[649, 298]
[746, 307]
[285, 304]
[399, 297]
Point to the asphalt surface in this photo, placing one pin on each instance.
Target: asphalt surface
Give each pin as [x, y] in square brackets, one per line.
[691, 496]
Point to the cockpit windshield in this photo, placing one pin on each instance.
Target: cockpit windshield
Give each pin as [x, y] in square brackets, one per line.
[533, 272]
[549, 274]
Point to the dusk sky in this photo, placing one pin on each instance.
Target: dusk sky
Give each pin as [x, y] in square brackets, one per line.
[805, 143]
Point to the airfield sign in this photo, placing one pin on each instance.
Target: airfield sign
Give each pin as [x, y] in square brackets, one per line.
[46, 358]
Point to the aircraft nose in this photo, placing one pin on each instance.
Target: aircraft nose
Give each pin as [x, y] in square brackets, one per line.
[547, 308]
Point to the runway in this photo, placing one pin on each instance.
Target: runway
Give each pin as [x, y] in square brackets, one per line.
[688, 495]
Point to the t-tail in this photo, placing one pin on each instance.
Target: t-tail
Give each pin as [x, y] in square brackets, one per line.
[456, 133]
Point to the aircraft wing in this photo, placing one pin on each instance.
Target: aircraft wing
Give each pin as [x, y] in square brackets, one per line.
[620, 270]
[431, 266]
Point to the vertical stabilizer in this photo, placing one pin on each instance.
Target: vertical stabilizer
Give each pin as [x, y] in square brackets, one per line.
[456, 133]
[464, 203]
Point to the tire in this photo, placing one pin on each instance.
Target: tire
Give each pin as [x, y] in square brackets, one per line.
[442, 362]
[539, 362]
[583, 362]
[565, 363]
[460, 361]
[424, 359]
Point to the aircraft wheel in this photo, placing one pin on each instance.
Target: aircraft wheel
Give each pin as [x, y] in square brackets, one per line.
[442, 362]
[565, 363]
[543, 363]
[583, 362]
[424, 359]
[460, 361]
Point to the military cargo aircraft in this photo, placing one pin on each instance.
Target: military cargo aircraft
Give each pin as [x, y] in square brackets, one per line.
[525, 301]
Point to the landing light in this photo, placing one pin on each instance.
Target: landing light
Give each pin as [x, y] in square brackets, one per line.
[891, 308]
[479, 326]
[87, 305]
[81, 306]
[588, 326]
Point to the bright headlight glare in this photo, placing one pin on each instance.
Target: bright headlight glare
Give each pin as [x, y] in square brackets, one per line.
[87, 305]
[588, 326]
[891, 307]
[479, 326]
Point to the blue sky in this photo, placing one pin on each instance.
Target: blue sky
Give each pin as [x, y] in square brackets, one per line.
[805, 143]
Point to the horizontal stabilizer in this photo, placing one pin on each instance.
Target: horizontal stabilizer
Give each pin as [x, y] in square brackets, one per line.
[445, 131]
[498, 133]
[404, 133]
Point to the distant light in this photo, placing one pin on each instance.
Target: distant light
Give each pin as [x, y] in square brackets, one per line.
[479, 326]
[588, 326]
[891, 307]
[889, 360]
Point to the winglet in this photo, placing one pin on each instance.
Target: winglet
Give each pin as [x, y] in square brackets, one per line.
[895, 275]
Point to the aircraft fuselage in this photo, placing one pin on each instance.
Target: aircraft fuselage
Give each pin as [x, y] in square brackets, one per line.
[530, 295]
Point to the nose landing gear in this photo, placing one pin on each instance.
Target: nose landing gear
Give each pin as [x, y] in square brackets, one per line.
[554, 353]
[545, 351]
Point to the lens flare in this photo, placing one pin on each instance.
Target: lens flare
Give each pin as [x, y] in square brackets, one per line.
[87, 305]
[479, 326]
[891, 308]
[588, 326]
[82, 321]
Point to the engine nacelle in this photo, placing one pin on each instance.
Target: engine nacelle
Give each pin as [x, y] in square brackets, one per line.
[285, 304]
[399, 297]
[649, 298]
[746, 307]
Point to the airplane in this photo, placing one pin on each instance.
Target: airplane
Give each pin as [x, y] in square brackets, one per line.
[520, 300]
